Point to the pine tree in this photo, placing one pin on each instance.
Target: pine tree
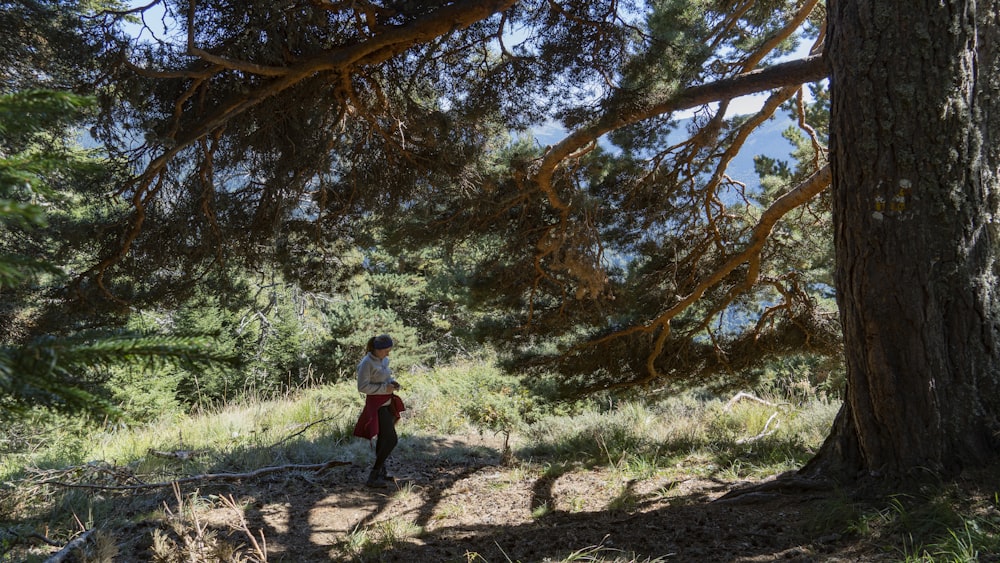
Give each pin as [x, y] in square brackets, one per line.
[62, 372]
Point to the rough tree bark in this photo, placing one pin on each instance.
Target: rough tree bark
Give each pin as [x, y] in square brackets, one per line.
[915, 107]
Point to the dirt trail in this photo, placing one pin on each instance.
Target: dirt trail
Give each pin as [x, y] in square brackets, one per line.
[467, 508]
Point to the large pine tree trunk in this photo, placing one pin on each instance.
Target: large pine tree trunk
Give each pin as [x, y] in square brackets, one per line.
[915, 135]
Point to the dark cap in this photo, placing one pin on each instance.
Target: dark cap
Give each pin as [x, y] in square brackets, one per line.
[381, 342]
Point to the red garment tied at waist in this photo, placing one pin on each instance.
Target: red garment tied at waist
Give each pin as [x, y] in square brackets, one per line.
[367, 425]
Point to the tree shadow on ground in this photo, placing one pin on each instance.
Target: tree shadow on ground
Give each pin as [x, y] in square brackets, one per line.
[448, 506]
[334, 517]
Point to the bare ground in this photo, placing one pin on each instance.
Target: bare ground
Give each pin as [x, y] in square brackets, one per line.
[466, 507]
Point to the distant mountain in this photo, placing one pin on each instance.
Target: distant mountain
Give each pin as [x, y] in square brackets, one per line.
[767, 141]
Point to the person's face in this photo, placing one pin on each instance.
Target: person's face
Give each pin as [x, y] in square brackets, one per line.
[382, 353]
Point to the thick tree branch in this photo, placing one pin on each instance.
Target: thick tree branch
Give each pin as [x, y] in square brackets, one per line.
[802, 193]
[344, 61]
[786, 76]
[809, 69]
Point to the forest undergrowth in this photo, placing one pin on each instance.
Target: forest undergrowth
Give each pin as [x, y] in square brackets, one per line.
[482, 464]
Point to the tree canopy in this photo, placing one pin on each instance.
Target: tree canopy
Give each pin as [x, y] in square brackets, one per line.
[261, 129]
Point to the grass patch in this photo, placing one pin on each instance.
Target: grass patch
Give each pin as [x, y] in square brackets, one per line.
[934, 524]
[367, 543]
[634, 442]
[643, 439]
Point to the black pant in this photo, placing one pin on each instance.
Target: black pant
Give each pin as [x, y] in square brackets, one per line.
[386, 436]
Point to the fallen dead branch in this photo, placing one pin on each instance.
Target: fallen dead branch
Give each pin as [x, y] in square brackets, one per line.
[763, 432]
[743, 395]
[316, 468]
[67, 549]
[11, 537]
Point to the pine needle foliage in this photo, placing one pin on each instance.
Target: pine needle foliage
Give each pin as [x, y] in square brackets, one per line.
[65, 371]
[286, 132]
[27, 161]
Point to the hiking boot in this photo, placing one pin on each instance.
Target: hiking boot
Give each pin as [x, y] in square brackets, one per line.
[376, 481]
[385, 475]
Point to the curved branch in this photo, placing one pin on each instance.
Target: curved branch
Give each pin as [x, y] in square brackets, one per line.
[783, 33]
[344, 60]
[787, 76]
[376, 50]
[799, 195]
[809, 69]
[771, 105]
